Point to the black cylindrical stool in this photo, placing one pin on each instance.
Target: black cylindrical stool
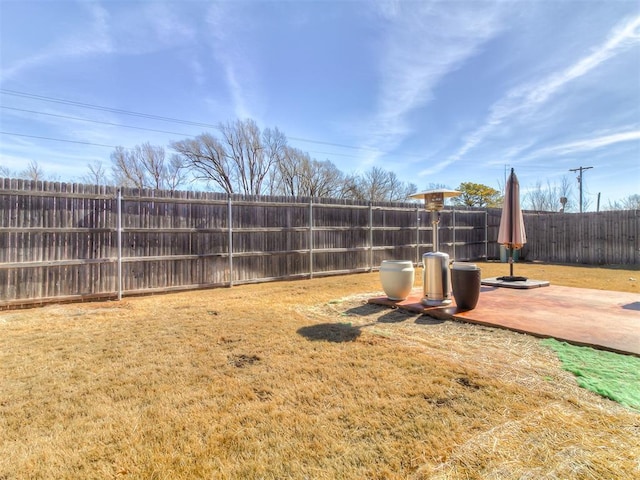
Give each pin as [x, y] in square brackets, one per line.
[465, 283]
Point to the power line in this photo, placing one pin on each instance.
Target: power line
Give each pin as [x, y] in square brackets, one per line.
[57, 139]
[103, 108]
[113, 146]
[69, 117]
[298, 139]
[91, 121]
[333, 154]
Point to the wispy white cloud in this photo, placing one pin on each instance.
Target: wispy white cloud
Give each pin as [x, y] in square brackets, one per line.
[513, 152]
[167, 26]
[222, 19]
[526, 99]
[588, 144]
[17, 152]
[111, 30]
[198, 71]
[149, 27]
[423, 43]
[92, 38]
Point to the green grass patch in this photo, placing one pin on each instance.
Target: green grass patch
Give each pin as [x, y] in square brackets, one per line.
[609, 374]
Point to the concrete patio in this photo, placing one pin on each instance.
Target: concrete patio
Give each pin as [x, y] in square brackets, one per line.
[601, 319]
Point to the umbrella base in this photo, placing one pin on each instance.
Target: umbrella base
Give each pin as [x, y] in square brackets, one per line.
[521, 285]
[511, 278]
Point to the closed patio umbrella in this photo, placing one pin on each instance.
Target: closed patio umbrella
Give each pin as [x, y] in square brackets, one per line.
[511, 233]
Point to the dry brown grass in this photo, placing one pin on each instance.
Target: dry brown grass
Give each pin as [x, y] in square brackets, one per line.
[617, 278]
[296, 380]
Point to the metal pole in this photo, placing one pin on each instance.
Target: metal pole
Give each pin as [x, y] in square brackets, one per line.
[119, 234]
[434, 225]
[511, 225]
[370, 237]
[230, 224]
[417, 235]
[311, 238]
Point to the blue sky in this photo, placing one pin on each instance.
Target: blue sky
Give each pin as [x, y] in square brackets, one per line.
[439, 92]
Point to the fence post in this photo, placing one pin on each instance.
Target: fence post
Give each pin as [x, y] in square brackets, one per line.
[453, 233]
[486, 234]
[417, 235]
[311, 238]
[230, 224]
[119, 235]
[370, 236]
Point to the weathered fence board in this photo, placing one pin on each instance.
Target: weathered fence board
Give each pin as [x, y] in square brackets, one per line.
[62, 241]
[611, 237]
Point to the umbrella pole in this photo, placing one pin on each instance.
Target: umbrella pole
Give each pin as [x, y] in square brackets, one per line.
[511, 261]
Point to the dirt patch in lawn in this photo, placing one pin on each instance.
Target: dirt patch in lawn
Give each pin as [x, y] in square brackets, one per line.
[294, 380]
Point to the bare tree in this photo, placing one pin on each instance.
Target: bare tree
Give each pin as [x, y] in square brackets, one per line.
[289, 180]
[97, 174]
[33, 172]
[399, 191]
[206, 157]
[5, 172]
[152, 160]
[301, 175]
[243, 145]
[379, 185]
[632, 202]
[547, 198]
[242, 160]
[321, 179]
[565, 191]
[540, 199]
[145, 166]
[349, 188]
[175, 172]
[373, 185]
[275, 150]
[126, 170]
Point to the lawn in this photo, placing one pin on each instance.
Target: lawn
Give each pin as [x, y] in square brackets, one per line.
[299, 380]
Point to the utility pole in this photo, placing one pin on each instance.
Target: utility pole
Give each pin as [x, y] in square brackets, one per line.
[580, 169]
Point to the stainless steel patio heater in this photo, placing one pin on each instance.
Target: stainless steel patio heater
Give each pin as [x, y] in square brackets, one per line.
[436, 275]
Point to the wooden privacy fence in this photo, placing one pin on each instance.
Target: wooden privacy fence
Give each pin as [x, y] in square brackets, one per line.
[604, 238]
[70, 241]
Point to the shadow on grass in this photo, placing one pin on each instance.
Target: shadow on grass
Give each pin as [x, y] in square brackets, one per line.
[346, 332]
[427, 320]
[396, 316]
[391, 315]
[366, 310]
[331, 332]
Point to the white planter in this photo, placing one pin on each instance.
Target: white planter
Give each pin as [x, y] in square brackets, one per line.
[397, 278]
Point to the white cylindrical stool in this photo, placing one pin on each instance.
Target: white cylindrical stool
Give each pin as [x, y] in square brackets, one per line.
[397, 278]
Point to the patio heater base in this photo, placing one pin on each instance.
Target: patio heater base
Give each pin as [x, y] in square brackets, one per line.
[435, 303]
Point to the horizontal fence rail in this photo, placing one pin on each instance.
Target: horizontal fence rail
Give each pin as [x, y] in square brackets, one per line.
[63, 242]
